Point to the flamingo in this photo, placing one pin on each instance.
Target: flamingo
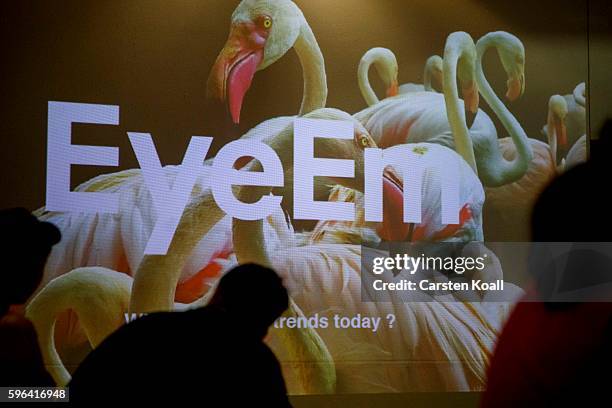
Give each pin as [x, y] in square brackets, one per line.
[565, 127]
[575, 122]
[98, 296]
[421, 116]
[514, 201]
[385, 63]
[511, 202]
[262, 31]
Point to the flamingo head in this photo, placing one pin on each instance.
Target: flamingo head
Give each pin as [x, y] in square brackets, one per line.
[347, 149]
[557, 111]
[353, 149]
[393, 227]
[392, 89]
[512, 55]
[261, 32]
[466, 67]
[387, 68]
[434, 67]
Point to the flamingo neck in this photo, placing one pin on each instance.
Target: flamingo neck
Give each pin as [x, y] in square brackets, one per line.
[427, 79]
[580, 94]
[458, 47]
[364, 81]
[156, 279]
[250, 242]
[248, 236]
[552, 137]
[505, 171]
[313, 67]
[428, 73]
[157, 276]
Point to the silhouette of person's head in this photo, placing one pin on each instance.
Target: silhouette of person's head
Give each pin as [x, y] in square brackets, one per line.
[25, 244]
[253, 293]
[575, 207]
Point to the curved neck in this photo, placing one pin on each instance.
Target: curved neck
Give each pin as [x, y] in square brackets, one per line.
[248, 236]
[509, 171]
[580, 94]
[313, 67]
[157, 276]
[364, 81]
[552, 136]
[156, 279]
[428, 72]
[427, 79]
[459, 46]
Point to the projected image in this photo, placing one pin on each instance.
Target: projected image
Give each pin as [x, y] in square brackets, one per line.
[315, 196]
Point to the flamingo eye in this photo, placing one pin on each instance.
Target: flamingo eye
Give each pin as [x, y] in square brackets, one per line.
[363, 141]
[267, 22]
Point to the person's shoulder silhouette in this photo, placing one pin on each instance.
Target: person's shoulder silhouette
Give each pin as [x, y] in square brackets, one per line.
[214, 351]
[25, 244]
[553, 353]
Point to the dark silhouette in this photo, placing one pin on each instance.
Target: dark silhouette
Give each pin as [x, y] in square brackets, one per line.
[211, 353]
[25, 244]
[554, 353]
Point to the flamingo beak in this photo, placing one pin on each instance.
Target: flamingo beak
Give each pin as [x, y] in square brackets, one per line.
[393, 89]
[393, 227]
[516, 87]
[470, 96]
[233, 71]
